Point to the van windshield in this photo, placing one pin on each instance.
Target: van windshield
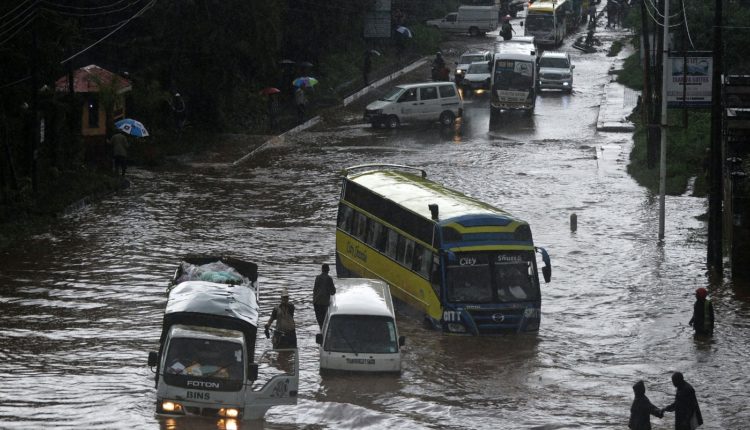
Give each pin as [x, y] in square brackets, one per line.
[468, 59]
[205, 359]
[361, 334]
[392, 95]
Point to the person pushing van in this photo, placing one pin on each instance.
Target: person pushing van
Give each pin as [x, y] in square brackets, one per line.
[322, 292]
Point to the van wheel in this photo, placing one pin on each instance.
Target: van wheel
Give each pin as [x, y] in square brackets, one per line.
[447, 118]
[392, 122]
[473, 32]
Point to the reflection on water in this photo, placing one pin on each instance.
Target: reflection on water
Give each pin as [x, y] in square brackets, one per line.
[82, 303]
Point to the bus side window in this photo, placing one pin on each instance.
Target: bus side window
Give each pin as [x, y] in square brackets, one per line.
[345, 218]
[425, 262]
[400, 249]
[408, 260]
[390, 246]
[381, 238]
[416, 262]
[360, 226]
[373, 232]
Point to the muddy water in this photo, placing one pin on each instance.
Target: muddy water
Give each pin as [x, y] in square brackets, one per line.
[82, 303]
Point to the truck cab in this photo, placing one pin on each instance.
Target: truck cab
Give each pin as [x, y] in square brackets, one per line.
[206, 363]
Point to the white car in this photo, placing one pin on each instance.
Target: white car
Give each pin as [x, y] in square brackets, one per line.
[427, 101]
[556, 71]
[468, 57]
[477, 78]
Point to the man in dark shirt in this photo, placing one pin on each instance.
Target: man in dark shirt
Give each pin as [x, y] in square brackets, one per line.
[687, 414]
[703, 313]
[322, 292]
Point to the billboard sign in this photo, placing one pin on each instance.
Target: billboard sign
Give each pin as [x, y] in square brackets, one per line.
[378, 20]
[690, 81]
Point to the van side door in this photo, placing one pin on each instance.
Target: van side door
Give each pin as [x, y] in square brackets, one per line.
[429, 103]
[408, 105]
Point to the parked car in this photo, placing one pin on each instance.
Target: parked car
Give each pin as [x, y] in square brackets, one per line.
[477, 78]
[466, 59]
[556, 71]
[428, 101]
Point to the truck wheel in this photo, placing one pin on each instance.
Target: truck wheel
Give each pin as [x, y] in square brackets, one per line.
[494, 114]
[473, 32]
[392, 122]
[447, 118]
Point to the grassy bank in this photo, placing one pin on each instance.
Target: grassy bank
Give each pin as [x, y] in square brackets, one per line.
[687, 141]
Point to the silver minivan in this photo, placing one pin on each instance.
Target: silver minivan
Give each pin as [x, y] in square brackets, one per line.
[429, 101]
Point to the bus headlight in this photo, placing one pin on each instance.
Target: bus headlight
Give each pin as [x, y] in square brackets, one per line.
[229, 412]
[171, 407]
[456, 328]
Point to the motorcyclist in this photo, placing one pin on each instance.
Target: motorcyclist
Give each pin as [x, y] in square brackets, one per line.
[438, 64]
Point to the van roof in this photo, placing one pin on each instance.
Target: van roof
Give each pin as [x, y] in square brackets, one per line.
[361, 296]
[424, 84]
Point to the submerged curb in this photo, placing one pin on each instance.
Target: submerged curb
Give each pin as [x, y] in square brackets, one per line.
[311, 122]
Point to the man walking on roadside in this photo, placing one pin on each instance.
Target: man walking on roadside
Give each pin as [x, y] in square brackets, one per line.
[120, 151]
[322, 292]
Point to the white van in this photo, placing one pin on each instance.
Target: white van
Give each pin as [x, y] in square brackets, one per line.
[359, 333]
[429, 101]
[475, 20]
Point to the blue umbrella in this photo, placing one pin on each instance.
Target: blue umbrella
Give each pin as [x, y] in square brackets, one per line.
[132, 127]
[404, 31]
[305, 81]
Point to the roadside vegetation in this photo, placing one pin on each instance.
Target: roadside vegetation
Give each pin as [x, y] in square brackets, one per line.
[689, 133]
[218, 57]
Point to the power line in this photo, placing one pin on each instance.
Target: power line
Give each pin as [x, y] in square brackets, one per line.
[137, 14]
[17, 7]
[49, 3]
[687, 30]
[85, 15]
[8, 22]
[29, 19]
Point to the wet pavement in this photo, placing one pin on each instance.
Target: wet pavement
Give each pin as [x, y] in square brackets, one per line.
[82, 303]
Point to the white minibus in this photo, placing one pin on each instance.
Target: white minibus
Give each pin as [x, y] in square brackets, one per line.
[359, 333]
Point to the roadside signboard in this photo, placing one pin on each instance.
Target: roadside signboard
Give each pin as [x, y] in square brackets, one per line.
[690, 80]
[378, 20]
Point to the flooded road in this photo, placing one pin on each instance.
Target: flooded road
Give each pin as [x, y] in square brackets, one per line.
[82, 303]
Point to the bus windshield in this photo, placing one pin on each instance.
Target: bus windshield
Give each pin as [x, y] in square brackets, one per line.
[540, 22]
[361, 334]
[497, 277]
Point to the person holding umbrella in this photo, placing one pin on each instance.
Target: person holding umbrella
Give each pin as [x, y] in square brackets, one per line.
[120, 146]
[300, 101]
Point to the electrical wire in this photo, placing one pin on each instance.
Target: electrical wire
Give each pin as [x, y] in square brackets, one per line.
[17, 7]
[8, 22]
[63, 6]
[85, 15]
[660, 24]
[687, 30]
[137, 14]
[658, 13]
[29, 20]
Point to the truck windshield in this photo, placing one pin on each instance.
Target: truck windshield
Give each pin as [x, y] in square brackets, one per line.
[501, 277]
[361, 334]
[211, 359]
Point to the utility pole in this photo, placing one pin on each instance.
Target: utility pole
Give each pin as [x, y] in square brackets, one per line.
[664, 82]
[648, 99]
[716, 175]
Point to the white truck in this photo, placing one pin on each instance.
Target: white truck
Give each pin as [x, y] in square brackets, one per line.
[205, 364]
[474, 20]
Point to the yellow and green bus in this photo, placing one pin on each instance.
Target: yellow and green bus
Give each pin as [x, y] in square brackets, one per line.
[550, 20]
[470, 268]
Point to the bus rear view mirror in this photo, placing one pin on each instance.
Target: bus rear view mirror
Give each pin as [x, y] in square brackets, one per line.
[318, 338]
[401, 340]
[547, 273]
